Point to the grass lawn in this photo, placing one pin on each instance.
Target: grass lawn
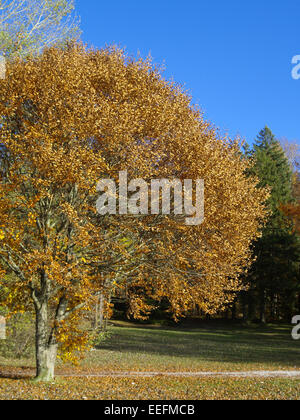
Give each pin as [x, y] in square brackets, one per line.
[211, 346]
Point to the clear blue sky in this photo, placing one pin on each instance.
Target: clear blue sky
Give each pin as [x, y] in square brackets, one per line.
[233, 56]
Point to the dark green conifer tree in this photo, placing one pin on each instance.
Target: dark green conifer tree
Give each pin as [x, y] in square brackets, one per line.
[273, 276]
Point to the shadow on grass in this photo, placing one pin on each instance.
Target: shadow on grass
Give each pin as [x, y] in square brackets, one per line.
[214, 342]
[16, 373]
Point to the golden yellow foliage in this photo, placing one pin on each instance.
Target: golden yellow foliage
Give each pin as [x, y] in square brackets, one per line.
[73, 116]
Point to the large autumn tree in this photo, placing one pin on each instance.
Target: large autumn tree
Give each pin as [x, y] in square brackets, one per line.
[71, 117]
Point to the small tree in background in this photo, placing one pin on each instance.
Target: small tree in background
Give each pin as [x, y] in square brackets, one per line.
[292, 152]
[292, 210]
[27, 26]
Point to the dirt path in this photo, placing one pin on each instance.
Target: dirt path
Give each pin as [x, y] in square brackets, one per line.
[249, 374]
[28, 372]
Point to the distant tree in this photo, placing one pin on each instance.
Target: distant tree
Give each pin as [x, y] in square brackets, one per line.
[292, 210]
[276, 252]
[292, 152]
[272, 168]
[27, 26]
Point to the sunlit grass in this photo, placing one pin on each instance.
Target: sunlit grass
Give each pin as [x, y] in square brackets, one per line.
[213, 347]
[189, 348]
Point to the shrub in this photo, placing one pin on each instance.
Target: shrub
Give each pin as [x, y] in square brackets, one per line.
[20, 337]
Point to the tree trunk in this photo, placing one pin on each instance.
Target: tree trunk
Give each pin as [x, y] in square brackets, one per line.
[99, 313]
[251, 305]
[233, 312]
[244, 305]
[263, 307]
[46, 348]
[273, 306]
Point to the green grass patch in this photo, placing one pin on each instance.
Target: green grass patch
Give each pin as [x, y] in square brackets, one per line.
[212, 347]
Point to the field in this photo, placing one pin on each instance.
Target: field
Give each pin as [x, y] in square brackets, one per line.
[133, 348]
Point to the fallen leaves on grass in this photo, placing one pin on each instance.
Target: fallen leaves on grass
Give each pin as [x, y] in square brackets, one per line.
[110, 388]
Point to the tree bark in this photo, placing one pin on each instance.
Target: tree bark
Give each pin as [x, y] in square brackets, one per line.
[46, 347]
[101, 312]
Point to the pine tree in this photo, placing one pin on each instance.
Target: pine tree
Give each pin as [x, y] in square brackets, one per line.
[277, 252]
[273, 170]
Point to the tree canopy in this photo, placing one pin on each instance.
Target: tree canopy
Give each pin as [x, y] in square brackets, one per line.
[72, 116]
